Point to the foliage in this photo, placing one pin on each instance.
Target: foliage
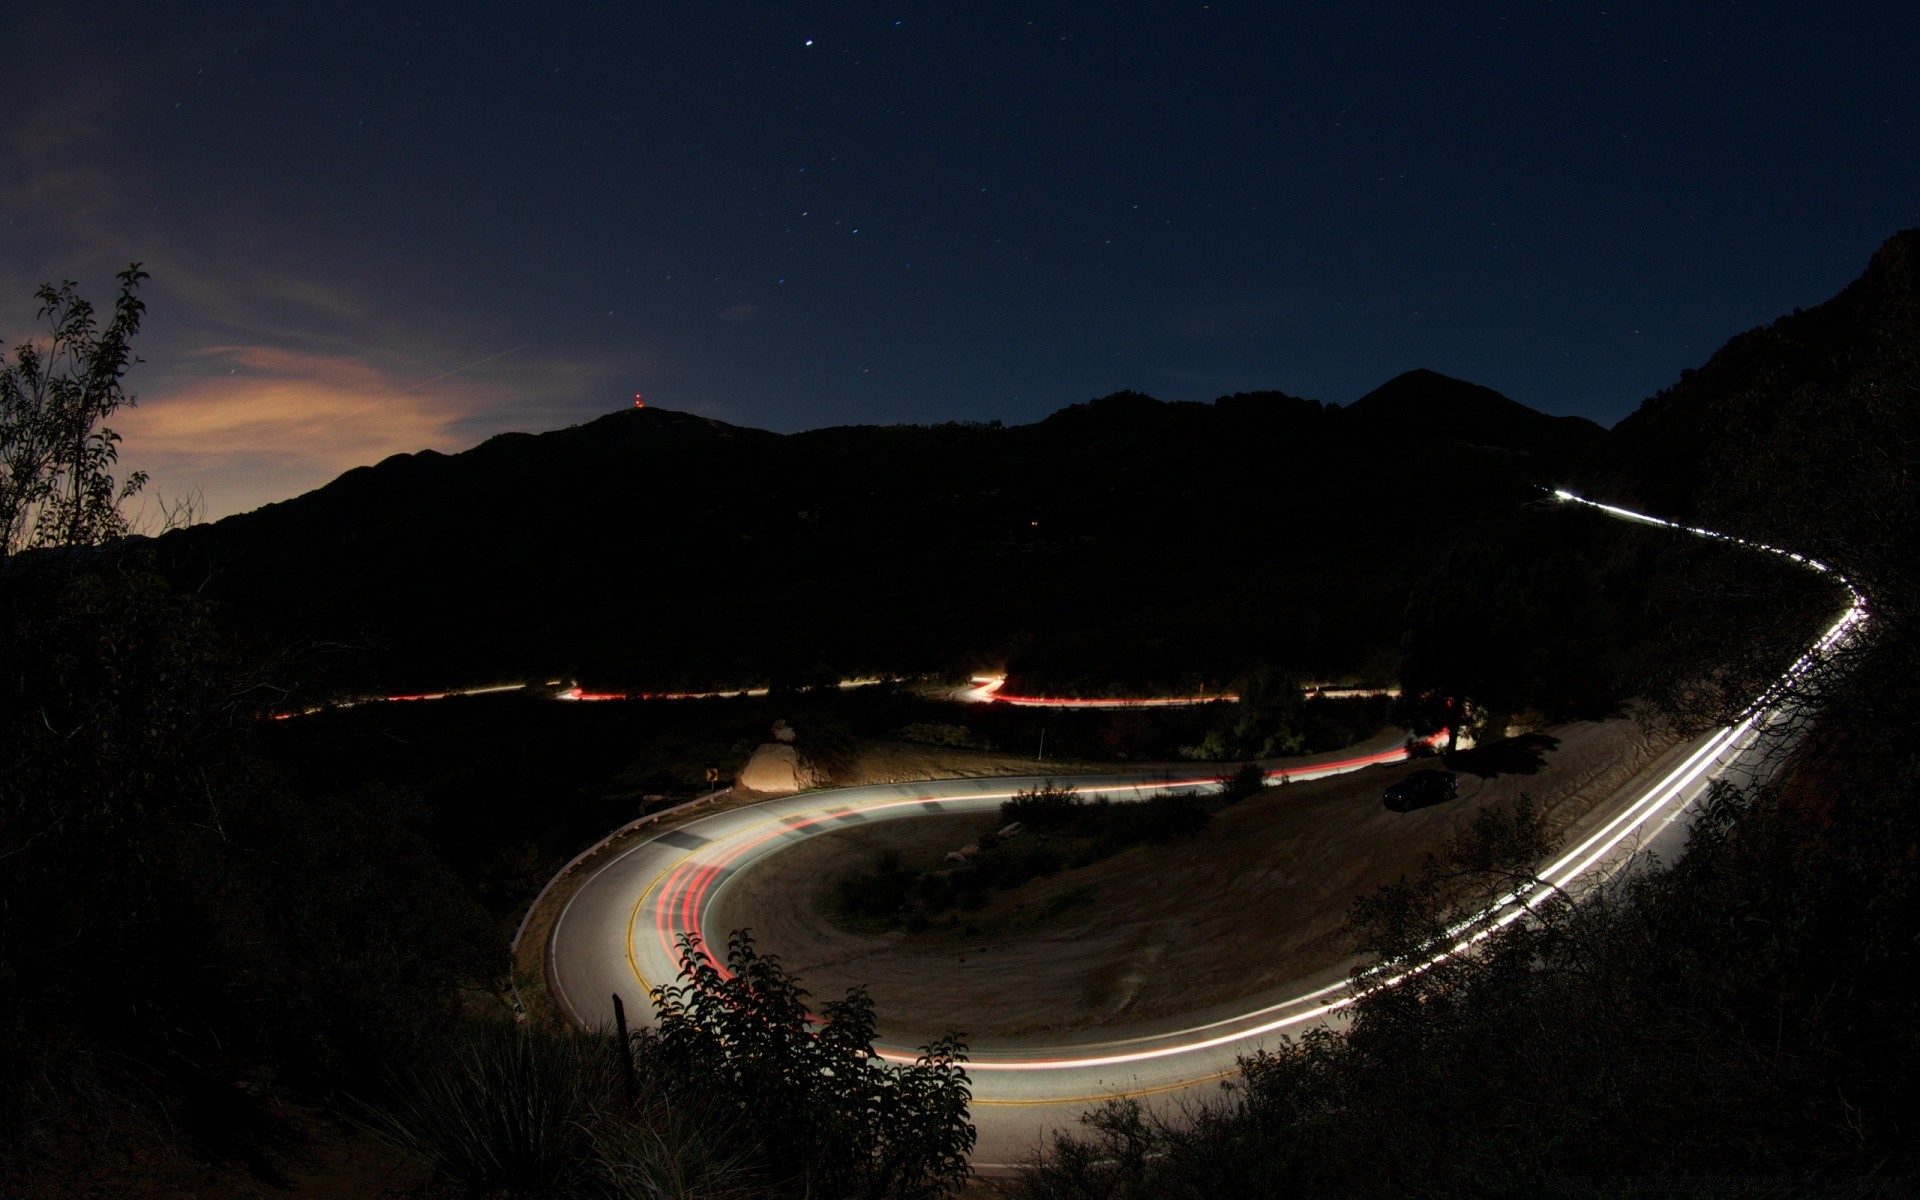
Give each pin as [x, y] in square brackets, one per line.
[57, 489]
[1062, 810]
[167, 903]
[1058, 829]
[827, 1113]
[1539, 616]
[174, 919]
[508, 1111]
[513, 1112]
[1401, 922]
[1247, 781]
[936, 733]
[1744, 1016]
[1265, 725]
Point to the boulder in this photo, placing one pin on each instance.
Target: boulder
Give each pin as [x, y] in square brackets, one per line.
[777, 769]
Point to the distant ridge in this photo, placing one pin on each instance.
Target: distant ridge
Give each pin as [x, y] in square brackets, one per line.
[1663, 455]
[658, 549]
[663, 549]
[1428, 404]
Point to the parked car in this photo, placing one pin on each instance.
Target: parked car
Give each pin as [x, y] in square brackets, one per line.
[1421, 789]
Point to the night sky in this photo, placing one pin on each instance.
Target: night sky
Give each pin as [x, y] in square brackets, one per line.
[379, 228]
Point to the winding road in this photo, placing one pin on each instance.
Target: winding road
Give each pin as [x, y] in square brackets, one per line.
[617, 933]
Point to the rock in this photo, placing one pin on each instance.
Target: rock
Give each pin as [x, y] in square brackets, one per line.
[777, 769]
[783, 732]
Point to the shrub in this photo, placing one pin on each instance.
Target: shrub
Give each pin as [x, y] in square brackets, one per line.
[829, 1116]
[508, 1111]
[878, 894]
[1043, 810]
[550, 1114]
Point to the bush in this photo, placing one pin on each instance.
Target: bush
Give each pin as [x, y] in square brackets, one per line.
[1041, 811]
[830, 1118]
[938, 733]
[518, 1113]
[878, 894]
[507, 1111]
[1112, 826]
[1246, 782]
[738, 1092]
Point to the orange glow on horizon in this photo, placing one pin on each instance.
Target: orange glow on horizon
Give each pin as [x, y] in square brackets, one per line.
[249, 425]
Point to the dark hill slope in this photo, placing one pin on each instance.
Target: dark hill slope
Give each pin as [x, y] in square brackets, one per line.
[1427, 404]
[1688, 450]
[1122, 539]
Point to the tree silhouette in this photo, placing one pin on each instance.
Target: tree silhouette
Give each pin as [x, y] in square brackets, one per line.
[56, 457]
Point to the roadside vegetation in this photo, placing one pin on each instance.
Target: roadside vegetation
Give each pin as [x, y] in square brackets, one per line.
[740, 1092]
[1738, 1025]
[1038, 834]
[1272, 719]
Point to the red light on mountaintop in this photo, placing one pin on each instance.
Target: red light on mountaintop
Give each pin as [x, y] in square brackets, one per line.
[639, 400]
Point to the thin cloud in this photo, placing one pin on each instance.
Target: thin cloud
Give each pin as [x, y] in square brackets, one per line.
[263, 423]
[58, 170]
[269, 367]
[407, 391]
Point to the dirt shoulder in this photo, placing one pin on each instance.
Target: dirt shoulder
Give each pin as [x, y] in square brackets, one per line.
[1256, 902]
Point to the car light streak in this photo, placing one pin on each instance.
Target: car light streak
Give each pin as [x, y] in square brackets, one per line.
[688, 887]
[987, 688]
[693, 892]
[474, 691]
[1318, 691]
[568, 692]
[684, 886]
[355, 703]
[1767, 708]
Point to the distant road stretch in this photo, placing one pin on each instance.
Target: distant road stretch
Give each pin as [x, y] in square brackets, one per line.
[989, 689]
[617, 933]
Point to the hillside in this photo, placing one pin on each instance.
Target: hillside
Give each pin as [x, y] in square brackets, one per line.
[1735, 1025]
[1425, 403]
[1121, 543]
[1690, 440]
[1125, 539]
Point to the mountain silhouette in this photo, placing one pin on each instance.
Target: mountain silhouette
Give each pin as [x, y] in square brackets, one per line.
[1679, 447]
[1427, 404]
[1121, 540]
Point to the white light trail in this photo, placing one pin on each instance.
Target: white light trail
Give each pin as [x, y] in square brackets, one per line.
[684, 878]
[1667, 799]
